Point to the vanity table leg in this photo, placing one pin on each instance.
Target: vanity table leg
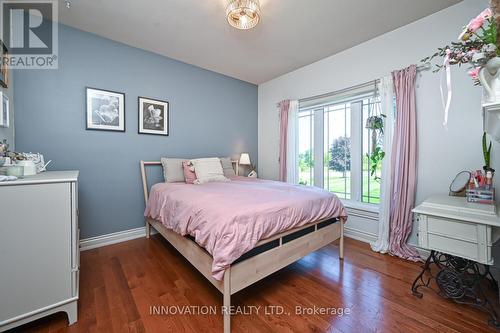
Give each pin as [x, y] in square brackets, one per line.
[493, 279]
[495, 273]
[419, 281]
[459, 280]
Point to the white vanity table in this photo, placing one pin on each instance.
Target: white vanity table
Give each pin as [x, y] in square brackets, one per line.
[454, 226]
[460, 236]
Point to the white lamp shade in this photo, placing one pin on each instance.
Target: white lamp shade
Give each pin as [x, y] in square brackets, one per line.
[245, 159]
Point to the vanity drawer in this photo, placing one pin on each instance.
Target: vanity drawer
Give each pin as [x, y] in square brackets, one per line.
[455, 247]
[452, 228]
[459, 238]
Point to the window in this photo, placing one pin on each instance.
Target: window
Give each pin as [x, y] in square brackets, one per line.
[335, 146]
[306, 162]
[337, 149]
[371, 140]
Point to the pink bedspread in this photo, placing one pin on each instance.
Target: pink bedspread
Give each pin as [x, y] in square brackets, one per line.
[228, 219]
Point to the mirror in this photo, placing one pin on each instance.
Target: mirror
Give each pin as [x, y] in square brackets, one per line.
[459, 184]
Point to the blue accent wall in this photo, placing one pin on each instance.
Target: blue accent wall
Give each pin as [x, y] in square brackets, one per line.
[8, 132]
[210, 115]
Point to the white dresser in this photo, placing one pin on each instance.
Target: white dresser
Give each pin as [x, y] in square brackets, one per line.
[39, 253]
[454, 226]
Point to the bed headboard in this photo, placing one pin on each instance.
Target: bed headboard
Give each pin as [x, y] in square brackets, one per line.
[145, 164]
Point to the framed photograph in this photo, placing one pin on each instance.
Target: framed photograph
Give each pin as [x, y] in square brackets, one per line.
[153, 116]
[4, 110]
[4, 69]
[105, 110]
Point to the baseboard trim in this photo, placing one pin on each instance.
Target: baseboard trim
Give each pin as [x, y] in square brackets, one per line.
[424, 253]
[369, 238]
[123, 236]
[113, 238]
[360, 235]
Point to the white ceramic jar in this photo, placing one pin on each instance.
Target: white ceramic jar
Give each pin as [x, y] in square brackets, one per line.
[29, 167]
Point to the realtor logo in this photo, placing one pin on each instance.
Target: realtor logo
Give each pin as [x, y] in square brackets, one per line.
[29, 31]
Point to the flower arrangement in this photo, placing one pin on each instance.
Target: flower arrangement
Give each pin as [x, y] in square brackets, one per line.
[15, 156]
[475, 46]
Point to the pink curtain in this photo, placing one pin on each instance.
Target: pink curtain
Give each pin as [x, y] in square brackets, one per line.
[404, 164]
[284, 107]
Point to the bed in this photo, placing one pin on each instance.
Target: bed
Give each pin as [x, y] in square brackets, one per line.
[239, 232]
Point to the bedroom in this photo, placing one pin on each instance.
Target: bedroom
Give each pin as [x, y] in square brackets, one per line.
[264, 91]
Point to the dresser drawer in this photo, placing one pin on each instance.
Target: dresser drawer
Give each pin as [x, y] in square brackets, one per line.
[452, 228]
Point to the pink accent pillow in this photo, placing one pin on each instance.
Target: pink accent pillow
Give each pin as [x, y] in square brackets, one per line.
[189, 174]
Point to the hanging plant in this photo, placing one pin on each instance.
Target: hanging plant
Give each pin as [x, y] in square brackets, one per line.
[376, 158]
[376, 124]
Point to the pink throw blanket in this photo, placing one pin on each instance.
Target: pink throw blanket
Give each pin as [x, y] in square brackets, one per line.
[228, 219]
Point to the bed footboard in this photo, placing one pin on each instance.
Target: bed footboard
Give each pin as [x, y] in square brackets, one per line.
[245, 273]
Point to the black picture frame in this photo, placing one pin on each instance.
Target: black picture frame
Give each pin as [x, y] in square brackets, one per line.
[121, 127]
[4, 110]
[4, 68]
[165, 116]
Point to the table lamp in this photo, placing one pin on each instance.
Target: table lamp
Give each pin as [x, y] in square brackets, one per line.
[245, 160]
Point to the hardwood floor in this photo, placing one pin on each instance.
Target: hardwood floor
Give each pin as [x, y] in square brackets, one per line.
[119, 284]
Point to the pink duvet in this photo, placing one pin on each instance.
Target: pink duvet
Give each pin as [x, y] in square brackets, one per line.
[229, 218]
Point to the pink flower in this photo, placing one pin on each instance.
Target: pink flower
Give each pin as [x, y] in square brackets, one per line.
[474, 73]
[487, 13]
[478, 22]
[475, 24]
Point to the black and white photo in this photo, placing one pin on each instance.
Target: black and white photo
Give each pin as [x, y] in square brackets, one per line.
[4, 68]
[153, 116]
[105, 110]
[4, 110]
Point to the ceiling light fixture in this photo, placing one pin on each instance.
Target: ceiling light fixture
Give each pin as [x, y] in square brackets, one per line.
[243, 14]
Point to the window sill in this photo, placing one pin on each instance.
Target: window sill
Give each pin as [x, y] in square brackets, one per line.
[362, 210]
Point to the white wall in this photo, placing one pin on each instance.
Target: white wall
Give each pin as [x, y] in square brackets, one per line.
[442, 152]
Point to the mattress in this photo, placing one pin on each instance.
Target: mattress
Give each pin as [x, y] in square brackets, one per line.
[229, 218]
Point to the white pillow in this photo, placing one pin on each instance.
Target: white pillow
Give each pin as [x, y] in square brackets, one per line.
[208, 170]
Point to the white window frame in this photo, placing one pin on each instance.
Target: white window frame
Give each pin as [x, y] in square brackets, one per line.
[310, 113]
[318, 145]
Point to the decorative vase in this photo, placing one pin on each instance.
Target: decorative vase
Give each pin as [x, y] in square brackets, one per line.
[489, 76]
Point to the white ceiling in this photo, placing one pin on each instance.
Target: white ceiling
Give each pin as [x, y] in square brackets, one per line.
[291, 34]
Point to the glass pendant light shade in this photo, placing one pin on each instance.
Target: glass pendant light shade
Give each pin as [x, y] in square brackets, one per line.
[243, 14]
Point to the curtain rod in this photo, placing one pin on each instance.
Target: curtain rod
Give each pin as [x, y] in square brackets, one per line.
[422, 67]
[337, 92]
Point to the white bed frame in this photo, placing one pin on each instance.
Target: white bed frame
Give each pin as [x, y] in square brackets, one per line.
[248, 271]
